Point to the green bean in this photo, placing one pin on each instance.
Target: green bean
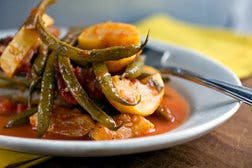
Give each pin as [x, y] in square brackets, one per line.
[105, 80]
[46, 101]
[21, 118]
[32, 87]
[155, 83]
[152, 81]
[81, 96]
[83, 99]
[37, 70]
[85, 57]
[166, 113]
[43, 5]
[20, 82]
[30, 22]
[79, 56]
[134, 69]
[8, 85]
[39, 62]
[18, 98]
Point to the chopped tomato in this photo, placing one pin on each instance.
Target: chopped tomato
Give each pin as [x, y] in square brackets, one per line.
[7, 106]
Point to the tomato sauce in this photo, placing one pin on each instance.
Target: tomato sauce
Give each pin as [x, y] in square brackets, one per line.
[176, 103]
[179, 108]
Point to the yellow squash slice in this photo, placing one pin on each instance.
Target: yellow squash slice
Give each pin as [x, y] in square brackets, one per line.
[151, 95]
[24, 41]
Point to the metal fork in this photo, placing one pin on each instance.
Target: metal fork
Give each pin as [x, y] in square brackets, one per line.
[241, 93]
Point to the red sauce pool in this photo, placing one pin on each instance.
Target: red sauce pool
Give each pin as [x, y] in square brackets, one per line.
[178, 106]
[172, 99]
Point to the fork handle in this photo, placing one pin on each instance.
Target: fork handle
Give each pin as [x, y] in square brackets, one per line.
[241, 93]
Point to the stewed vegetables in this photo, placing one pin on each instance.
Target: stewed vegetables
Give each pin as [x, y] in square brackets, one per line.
[86, 73]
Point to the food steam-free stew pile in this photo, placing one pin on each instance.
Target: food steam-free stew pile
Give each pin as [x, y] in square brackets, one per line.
[92, 84]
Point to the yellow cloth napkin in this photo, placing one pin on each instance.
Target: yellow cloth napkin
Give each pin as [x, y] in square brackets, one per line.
[233, 50]
[19, 160]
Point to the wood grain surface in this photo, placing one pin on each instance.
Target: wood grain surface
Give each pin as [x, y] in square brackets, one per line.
[229, 145]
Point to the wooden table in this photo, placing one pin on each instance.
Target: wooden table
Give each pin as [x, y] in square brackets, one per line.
[230, 145]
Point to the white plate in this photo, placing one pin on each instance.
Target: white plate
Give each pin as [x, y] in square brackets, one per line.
[208, 108]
